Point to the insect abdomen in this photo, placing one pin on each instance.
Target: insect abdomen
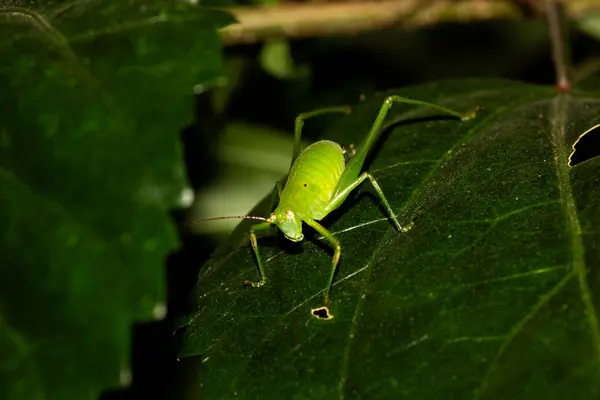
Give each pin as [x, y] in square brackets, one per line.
[312, 180]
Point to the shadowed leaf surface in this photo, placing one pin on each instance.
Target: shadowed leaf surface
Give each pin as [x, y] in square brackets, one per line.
[492, 294]
[93, 97]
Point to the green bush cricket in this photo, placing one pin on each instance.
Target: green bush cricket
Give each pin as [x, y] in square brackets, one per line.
[319, 181]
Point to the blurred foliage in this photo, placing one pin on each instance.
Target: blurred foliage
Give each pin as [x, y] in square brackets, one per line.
[93, 98]
[590, 24]
[253, 158]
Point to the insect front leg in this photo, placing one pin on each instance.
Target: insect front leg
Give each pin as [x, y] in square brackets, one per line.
[275, 196]
[342, 194]
[304, 116]
[336, 253]
[253, 229]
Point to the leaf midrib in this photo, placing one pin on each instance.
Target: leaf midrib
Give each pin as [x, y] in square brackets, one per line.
[559, 107]
[558, 139]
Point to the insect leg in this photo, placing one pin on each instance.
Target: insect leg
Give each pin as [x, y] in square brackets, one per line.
[275, 196]
[304, 116]
[354, 165]
[387, 105]
[253, 229]
[341, 196]
[336, 254]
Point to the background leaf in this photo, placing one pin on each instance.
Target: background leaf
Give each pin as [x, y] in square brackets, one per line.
[93, 97]
[491, 295]
[590, 24]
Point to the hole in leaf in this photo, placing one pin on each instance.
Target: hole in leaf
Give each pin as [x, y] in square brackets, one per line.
[321, 313]
[586, 146]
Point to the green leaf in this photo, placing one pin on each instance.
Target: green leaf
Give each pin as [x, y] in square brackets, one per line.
[492, 294]
[93, 96]
[590, 24]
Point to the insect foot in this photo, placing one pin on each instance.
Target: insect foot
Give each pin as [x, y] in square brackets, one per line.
[321, 313]
[255, 284]
[408, 227]
[471, 114]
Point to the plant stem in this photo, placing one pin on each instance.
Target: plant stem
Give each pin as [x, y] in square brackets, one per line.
[559, 42]
[315, 19]
[348, 17]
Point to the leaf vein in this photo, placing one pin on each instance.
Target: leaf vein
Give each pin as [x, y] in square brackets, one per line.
[559, 106]
[517, 328]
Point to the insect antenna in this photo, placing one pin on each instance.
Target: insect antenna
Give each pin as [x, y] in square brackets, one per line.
[229, 217]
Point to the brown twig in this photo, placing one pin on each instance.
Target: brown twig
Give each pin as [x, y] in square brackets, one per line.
[350, 17]
[320, 19]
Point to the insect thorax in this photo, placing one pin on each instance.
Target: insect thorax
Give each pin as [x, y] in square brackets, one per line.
[313, 180]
